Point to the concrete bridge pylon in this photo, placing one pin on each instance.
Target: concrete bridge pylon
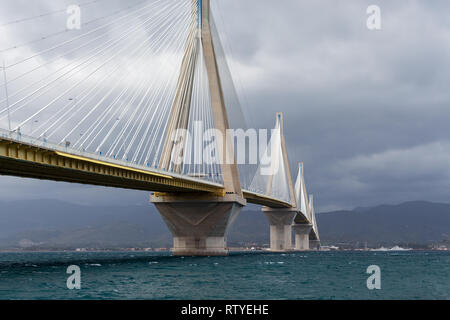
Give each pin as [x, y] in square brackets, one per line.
[281, 220]
[199, 222]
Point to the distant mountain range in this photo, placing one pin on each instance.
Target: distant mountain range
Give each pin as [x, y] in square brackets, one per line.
[50, 224]
[410, 223]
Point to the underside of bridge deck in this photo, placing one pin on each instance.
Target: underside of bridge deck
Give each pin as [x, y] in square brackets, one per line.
[27, 161]
[24, 160]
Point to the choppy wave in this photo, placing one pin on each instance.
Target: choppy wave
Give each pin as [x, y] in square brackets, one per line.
[322, 275]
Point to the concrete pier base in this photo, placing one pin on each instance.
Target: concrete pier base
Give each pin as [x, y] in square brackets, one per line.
[280, 228]
[302, 232]
[198, 226]
[314, 244]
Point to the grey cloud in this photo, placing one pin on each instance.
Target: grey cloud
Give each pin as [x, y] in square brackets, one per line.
[367, 111]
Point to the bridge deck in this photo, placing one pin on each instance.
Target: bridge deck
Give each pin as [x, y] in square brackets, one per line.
[37, 159]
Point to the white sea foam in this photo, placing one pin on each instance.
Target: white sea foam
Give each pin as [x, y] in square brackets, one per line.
[273, 262]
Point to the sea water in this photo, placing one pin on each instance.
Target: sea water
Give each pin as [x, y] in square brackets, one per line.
[240, 276]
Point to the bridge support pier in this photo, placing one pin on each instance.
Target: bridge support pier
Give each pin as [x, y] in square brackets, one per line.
[198, 225]
[302, 232]
[280, 221]
[314, 244]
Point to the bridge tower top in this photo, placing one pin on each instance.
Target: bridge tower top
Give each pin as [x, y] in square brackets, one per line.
[230, 172]
[179, 116]
[199, 13]
[287, 166]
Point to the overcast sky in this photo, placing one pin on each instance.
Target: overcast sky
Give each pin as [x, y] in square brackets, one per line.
[367, 111]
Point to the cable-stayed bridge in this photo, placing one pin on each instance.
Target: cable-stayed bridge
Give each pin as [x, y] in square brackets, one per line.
[145, 100]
